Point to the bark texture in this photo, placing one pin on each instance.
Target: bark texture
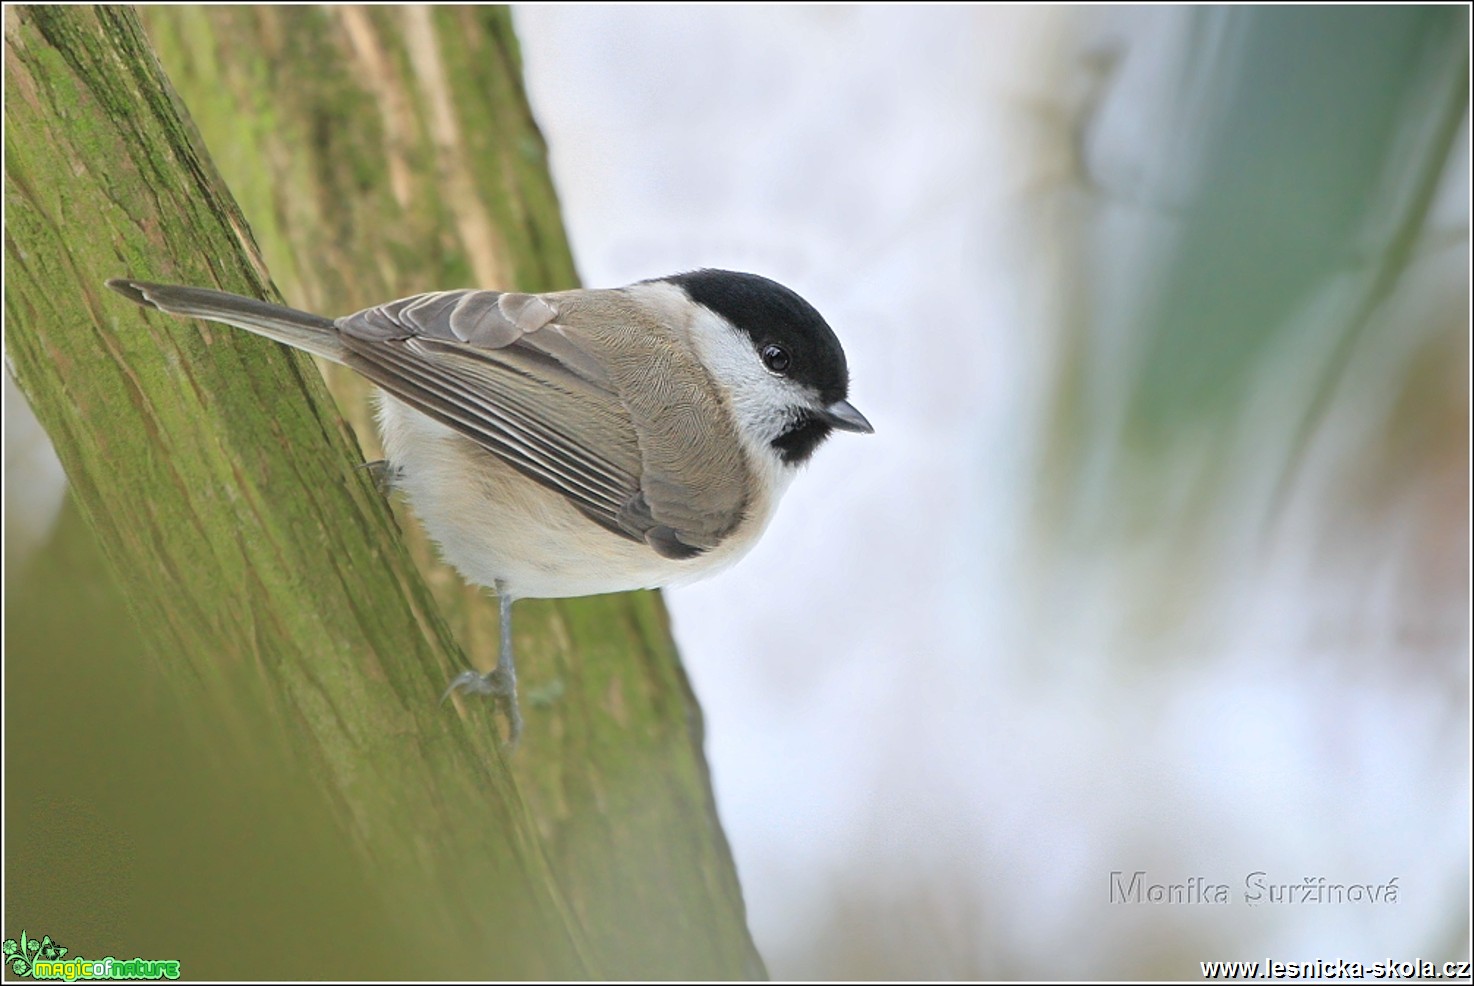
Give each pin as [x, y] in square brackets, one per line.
[375, 152]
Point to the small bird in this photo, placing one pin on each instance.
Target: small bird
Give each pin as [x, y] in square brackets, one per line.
[578, 442]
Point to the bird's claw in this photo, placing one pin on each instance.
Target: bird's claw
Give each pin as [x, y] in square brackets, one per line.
[473, 683]
[498, 683]
[384, 475]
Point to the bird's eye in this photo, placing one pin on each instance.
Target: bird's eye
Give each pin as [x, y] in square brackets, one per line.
[775, 358]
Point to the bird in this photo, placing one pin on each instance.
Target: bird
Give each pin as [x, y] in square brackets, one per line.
[578, 442]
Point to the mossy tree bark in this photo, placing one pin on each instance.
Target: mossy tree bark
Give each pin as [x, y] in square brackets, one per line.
[376, 152]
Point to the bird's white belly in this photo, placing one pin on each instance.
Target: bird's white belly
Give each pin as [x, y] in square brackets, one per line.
[494, 525]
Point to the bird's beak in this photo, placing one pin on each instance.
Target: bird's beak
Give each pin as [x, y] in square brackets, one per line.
[842, 415]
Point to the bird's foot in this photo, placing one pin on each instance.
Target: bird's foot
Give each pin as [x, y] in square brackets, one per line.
[384, 475]
[501, 683]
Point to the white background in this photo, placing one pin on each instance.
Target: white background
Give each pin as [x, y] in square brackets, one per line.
[932, 740]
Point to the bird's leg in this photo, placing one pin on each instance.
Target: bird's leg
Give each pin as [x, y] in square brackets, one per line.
[501, 681]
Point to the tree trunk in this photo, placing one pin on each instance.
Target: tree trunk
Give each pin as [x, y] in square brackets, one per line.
[376, 152]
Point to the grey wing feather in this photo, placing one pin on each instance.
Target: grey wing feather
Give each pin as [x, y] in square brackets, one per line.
[505, 372]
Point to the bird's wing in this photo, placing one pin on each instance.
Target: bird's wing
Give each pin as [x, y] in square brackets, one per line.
[548, 389]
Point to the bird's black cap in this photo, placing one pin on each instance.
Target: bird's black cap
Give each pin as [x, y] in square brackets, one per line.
[771, 314]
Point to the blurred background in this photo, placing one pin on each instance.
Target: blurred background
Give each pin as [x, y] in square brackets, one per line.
[1158, 561]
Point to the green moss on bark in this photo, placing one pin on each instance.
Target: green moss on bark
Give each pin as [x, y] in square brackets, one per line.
[375, 152]
[263, 570]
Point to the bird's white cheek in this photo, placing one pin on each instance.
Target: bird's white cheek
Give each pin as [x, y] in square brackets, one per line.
[759, 399]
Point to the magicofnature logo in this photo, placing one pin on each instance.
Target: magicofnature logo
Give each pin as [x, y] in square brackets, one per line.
[45, 959]
[21, 955]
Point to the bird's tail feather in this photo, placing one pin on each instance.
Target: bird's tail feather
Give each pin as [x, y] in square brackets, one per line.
[300, 329]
